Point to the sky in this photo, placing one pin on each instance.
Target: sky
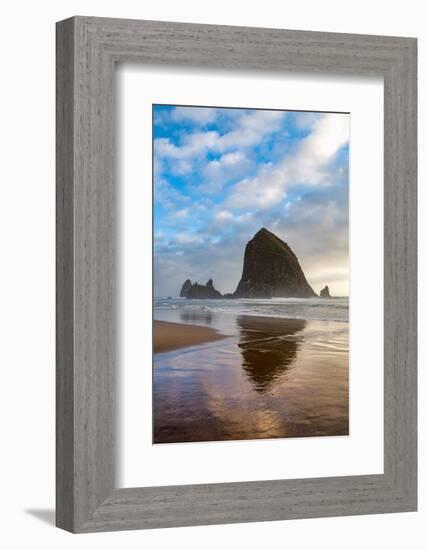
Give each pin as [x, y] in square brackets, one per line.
[221, 174]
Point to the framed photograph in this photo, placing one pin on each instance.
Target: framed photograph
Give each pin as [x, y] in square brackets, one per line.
[221, 175]
[236, 274]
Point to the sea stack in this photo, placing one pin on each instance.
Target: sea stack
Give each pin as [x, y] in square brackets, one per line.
[197, 291]
[325, 292]
[271, 269]
[187, 285]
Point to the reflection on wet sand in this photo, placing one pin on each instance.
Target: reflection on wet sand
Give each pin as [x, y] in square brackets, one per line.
[268, 349]
[270, 378]
[200, 316]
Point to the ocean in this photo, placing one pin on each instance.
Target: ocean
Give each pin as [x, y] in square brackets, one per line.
[311, 309]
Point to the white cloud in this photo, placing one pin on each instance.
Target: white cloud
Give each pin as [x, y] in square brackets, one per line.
[250, 129]
[193, 144]
[232, 159]
[305, 120]
[223, 215]
[244, 219]
[197, 115]
[331, 132]
[187, 238]
[181, 167]
[184, 213]
[219, 171]
[309, 165]
[166, 195]
[266, 189]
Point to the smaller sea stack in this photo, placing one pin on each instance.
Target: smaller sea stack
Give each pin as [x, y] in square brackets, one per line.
[196, 291]
[325, 292]
[187, 285]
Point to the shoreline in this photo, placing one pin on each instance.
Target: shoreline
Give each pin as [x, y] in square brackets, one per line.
[311, 309]
[169, 336]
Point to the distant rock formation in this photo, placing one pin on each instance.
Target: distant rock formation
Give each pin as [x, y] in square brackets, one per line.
[197, 291]
[187, 285]
[325, 292]
[271, 269]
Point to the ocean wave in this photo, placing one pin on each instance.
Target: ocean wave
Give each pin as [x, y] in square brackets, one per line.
[323, 309]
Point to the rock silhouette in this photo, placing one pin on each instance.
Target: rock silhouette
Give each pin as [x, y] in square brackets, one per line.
[197, 291]
[325, 292]
[271, 269]
[187, 285]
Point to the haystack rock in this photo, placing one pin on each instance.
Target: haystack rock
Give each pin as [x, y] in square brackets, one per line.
[325, 292]
[271, 269]
[197, 291]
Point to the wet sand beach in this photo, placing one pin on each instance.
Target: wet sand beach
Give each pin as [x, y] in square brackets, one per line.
[169, 336]
[267, 378]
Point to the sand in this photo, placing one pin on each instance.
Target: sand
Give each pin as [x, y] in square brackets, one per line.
[169, 336]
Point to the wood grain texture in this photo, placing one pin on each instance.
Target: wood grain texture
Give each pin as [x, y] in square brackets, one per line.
[64, 276]
[87, 49]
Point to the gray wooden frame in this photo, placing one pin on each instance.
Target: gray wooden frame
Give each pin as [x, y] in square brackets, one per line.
[87, 50]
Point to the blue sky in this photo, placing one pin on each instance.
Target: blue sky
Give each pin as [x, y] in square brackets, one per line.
[222, 174]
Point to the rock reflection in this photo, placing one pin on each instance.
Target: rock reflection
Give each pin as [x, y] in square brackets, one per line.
[271, 378]
[268, 349]
[205, 317]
